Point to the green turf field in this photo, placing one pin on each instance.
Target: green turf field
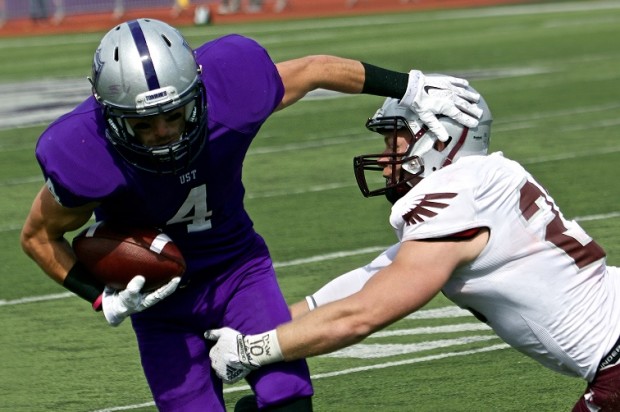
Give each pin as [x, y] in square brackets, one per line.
[550, 74]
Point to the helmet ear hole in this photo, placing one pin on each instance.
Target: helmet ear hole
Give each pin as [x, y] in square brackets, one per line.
[441, 146]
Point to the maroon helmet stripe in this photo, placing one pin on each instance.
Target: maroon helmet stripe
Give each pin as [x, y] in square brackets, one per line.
[456, 147]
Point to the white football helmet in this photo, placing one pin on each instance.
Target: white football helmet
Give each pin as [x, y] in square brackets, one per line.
[143, 68]
[422, 156]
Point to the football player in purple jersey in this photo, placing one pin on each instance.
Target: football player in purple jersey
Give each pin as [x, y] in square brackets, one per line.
[478, 228]
[161, 142]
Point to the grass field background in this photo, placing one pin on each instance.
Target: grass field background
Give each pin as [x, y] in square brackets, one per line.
[550, 75]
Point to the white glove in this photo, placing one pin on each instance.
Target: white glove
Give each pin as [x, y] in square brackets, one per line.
[118, 304]
[235, 355]
[433, 94]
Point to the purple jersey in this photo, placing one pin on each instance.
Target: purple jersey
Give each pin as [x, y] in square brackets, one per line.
[201, 208]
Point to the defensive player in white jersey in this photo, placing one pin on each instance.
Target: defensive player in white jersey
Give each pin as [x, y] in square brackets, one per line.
[478, 228]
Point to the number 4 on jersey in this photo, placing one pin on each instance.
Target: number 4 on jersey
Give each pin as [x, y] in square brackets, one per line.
[194, 211]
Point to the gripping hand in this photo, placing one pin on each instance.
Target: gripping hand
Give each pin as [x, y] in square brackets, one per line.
[235, 355]
[118, 304]
[431, 95]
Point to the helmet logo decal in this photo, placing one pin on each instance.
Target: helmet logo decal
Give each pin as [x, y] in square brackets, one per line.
[421, 210]
[156, 97]
[97, 65]
[145, 56]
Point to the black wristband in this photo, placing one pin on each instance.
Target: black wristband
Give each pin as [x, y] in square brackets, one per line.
[383, 82]
[81, 282]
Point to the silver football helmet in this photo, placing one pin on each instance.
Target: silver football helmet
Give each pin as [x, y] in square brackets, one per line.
[423, 156]
[143, 68]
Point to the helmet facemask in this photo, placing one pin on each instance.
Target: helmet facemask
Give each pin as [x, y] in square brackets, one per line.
[400, 181]
[169, 158]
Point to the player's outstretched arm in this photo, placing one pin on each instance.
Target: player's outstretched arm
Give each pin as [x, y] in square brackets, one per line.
[418, 272]
[429, 96]
[333, 326]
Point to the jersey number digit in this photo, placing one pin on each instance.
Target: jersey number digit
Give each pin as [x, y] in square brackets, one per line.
[194, 210]
[572, 240]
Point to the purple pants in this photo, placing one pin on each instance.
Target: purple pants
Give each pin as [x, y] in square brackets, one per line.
[175, 356]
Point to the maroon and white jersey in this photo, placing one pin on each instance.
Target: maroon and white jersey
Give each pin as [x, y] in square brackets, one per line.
[541, 282]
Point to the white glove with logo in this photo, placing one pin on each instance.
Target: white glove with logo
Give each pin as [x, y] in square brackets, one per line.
[433, 94]
[118, 304]
[235, 355]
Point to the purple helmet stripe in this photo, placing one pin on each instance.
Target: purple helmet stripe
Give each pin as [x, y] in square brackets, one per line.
[145, 55]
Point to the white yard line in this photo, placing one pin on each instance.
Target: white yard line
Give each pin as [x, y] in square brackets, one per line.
[384, 350]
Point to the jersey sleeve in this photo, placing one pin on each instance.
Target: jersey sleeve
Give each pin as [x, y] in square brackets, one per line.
[242, 83]
[75, 158]
[442, 205]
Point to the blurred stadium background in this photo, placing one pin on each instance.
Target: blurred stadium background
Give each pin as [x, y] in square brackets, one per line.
[26, 17]
[16, 9]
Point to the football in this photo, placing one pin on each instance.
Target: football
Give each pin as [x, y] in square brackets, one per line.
[115, 254]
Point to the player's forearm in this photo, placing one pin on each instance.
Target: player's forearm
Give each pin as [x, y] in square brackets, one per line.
[42, 239]
[322, 331]
[319, 336]
[353, 76]
[57, 259]
[301, 76]
[338, 74]
[305, 74]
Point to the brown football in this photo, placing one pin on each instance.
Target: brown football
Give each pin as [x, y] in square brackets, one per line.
[115, 254]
